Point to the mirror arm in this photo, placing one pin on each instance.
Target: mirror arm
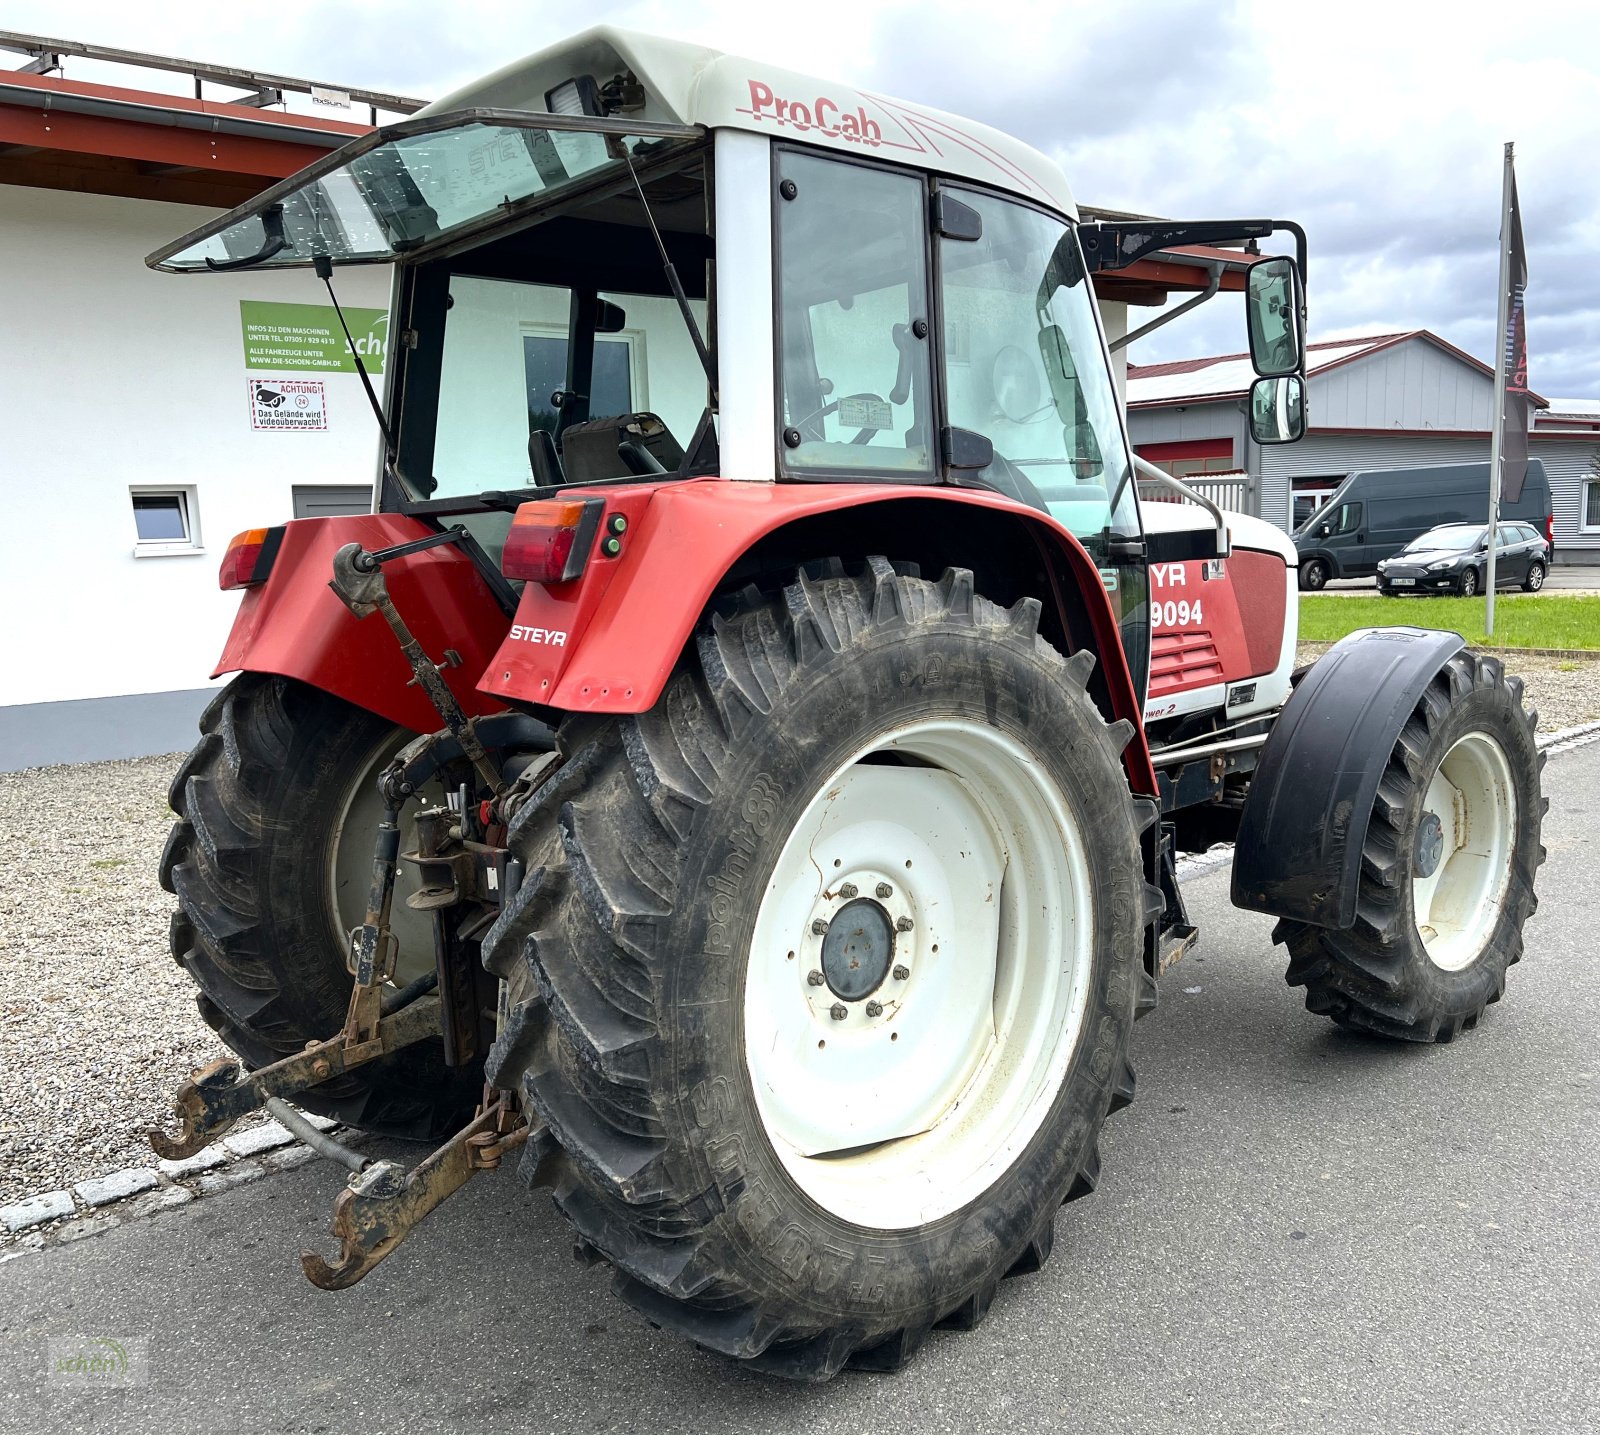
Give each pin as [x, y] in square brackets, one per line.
[1212, 285]
[1147, 470]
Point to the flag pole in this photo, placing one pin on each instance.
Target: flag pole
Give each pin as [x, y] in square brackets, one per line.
[1497, 434]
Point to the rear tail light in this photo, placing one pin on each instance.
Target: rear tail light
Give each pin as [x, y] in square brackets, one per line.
[249, 558]
[1550, 531]
[550, 540]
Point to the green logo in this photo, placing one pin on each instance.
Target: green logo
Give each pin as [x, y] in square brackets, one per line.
[289, 338]
[91, 1362]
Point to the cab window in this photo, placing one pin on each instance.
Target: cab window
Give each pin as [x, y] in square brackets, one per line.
[1023, 367]
[855, 376]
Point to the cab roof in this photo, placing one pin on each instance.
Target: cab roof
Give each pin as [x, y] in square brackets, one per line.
[693, 85]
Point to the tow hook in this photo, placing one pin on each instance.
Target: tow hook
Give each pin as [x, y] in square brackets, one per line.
[216, 1096]
[383, 1203]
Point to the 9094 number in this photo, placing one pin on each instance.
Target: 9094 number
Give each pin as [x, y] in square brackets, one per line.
[1175, 613]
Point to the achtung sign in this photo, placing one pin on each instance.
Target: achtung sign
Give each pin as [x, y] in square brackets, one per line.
[307, 337]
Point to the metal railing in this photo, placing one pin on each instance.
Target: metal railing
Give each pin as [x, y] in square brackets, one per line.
[1227, 490]
[264, 88]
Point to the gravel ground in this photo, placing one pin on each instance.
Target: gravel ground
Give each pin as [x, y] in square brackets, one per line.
[1565, 691]
[97, 1023]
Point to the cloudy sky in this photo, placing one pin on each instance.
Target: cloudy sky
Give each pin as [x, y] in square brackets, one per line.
[1379, 126]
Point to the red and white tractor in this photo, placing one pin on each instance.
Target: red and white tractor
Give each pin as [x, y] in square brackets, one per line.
[739, 763]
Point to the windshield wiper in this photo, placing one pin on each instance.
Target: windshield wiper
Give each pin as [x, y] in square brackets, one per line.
[273, 242]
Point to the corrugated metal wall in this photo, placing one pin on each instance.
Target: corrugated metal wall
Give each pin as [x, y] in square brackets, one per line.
[1569, 463]
[1338, 454]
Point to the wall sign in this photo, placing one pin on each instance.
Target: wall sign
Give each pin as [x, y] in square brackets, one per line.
[288, 404]
[283, 337]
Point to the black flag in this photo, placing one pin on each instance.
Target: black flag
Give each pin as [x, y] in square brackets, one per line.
[1514, 401]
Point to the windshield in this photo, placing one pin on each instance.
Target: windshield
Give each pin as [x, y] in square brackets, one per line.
[1462, 538]
[413, 186]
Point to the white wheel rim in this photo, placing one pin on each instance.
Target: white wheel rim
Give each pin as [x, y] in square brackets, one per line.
[1461, 862]
[935, 1081]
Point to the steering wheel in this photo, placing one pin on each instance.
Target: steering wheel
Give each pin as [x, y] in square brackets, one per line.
[863, 435]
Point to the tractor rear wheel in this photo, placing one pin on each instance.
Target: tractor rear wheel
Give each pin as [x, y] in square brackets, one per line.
[1447, 868]
[824, 971]
[270, 859]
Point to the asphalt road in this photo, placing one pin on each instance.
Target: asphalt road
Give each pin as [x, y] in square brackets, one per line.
[1297, 1230]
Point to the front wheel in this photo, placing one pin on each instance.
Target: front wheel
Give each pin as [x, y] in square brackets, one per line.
[1314, 575]
[1447, 868]
[1535, 579]
[825, 984]
[1469, 583]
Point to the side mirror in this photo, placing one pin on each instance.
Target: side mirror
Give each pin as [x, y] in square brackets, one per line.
[1277, 347]
[1324, 531]
[1061, 372]
[1278, 410]
[611, 318]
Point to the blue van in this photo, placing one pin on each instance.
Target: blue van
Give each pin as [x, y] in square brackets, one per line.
[1373, 514]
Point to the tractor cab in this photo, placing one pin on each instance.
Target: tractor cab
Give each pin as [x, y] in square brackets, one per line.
[629, 259]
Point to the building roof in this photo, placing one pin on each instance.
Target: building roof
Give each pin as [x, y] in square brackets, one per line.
[1571, 413]
[57, 133]
[1222, 377]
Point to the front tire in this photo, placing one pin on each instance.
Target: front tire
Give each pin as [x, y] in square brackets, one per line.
[1314, 575]
[1469, 583]
[1447, 868]
[751, 918]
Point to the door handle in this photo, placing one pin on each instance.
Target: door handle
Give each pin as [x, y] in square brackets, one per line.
[1361, 537]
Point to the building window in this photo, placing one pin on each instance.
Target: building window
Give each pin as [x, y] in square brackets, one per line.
[165, 521]
[1591, 506]
[544, 362]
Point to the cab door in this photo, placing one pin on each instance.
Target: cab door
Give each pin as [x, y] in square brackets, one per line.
[1344, 537]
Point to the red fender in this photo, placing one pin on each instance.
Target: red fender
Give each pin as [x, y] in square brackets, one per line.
[294, 624]
[608, 641]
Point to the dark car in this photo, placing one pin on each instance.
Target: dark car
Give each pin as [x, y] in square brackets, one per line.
[1454, 558]
[1374, 513]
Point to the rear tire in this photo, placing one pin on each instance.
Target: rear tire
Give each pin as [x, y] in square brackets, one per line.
[259, 801]
[664, 929]
[1437, 925]
[1535, 579]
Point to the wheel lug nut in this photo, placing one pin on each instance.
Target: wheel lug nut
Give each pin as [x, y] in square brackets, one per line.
[819, 928]
[885, 890]
[848, 890]
[901, 971]
[874, 1008]
[838, 1012]
[815, 978]
[902, 924]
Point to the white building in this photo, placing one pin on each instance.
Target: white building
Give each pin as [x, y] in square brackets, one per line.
[141, 427]
[1379, 401]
